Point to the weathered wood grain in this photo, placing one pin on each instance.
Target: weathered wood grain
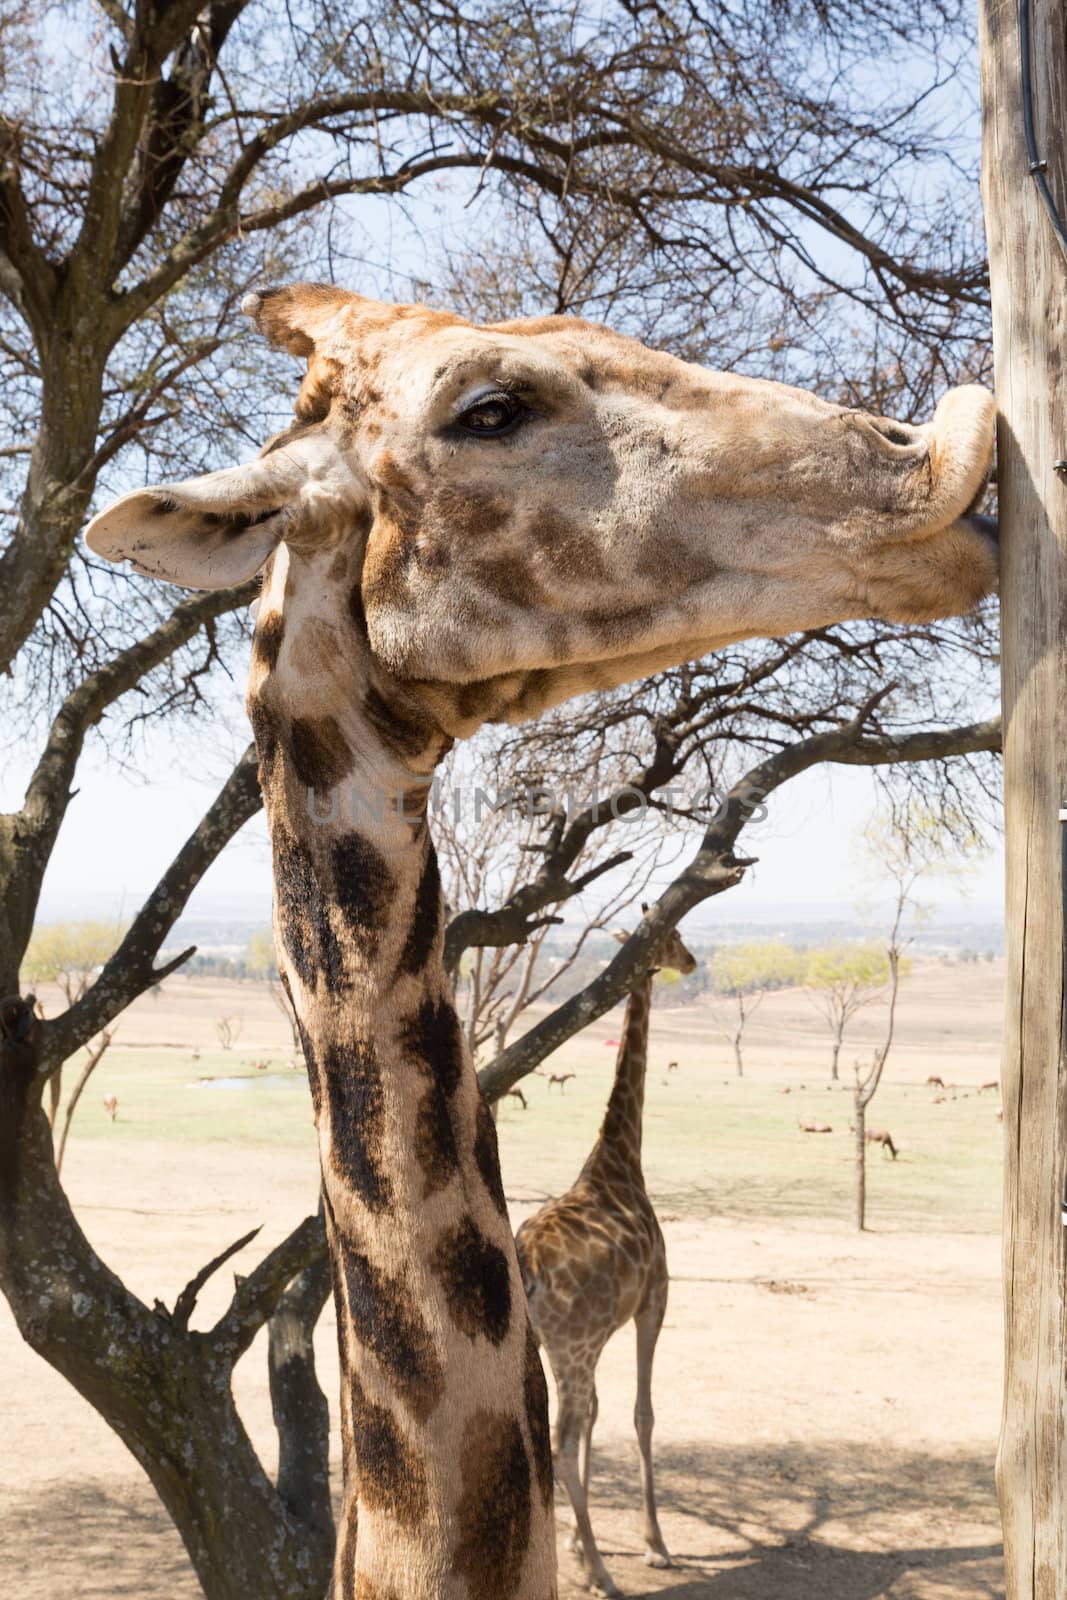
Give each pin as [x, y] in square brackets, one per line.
[1029, 284]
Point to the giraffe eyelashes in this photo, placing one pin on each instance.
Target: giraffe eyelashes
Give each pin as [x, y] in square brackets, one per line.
[492, 415]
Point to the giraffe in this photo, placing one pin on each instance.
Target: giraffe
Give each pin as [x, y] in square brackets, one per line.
[468, 524]
[591, 1261]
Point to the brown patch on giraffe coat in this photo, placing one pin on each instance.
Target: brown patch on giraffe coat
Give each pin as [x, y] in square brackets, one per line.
[398, 722]
[470, 510]
[307, 934]
[615, 627]
[493, 1511]
[389, 1475]
[687, 567]
[267, 640]
[310, 1060]
[569, 551]
[314, 647]
[345, 1555]
[487, 1155]
[390, 553]
[267, 735]
[391, 476]
[321, 382]
[387, 1322]
[363, 886]
[508, 577]
[321, 757]
[432, 1036]
[278, 441]
[476, 1280]
[425, 919]
[353, 1082]
[414, 801]
[478, 699]
[535, 1396]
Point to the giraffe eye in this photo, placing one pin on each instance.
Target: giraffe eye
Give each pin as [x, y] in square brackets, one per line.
[492, 415]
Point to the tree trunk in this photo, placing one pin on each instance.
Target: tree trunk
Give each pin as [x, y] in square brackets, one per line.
[1029, 285]
[301, 1412]
[859, 1115]
[738, 1060]
[834, 1076]
[165, 1390]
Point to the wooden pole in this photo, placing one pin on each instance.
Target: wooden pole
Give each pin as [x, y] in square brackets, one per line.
[1029, 285]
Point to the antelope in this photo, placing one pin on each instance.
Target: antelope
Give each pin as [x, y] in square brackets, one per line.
[878, 1136]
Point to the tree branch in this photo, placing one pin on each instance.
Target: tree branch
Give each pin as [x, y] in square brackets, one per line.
[516, 919]
[27, 278]
[28, 836]
[257, 1296]
[186, 1301]
[130, 970]
[715, 868]
[173, 126]
[301, 1412]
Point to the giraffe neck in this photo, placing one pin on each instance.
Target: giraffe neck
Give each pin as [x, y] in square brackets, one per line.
[447, 1470]
[619, 1143]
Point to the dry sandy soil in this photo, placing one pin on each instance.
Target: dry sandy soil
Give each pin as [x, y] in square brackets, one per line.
[826, 1403]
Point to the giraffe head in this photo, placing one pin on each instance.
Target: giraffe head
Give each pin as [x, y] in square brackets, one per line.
[675, 955]
[672, 952]
[529, 510]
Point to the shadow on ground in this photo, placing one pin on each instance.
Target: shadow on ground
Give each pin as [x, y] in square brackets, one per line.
[790, 1523]
[800, 1523]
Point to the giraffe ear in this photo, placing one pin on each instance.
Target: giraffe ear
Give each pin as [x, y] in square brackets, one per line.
[214, 531]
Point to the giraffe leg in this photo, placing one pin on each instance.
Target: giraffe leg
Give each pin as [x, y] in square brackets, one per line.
[586, 1443]
[575, 1404]
[584, 1451]
[648, 1322]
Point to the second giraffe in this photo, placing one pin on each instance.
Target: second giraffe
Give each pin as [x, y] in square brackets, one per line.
[591, 1261]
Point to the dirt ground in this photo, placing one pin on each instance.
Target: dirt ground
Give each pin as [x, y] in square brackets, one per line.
[826, 1403]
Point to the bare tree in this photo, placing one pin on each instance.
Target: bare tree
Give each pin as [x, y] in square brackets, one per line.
[69, 954]
[489, 841]
[910, 843]
[228, 1030]
[841, 980]
[746, 973]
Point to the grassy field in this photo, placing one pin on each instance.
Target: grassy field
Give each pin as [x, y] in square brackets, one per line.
[715, 1145]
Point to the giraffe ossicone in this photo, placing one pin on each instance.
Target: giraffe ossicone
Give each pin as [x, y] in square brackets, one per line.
[467, 524]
